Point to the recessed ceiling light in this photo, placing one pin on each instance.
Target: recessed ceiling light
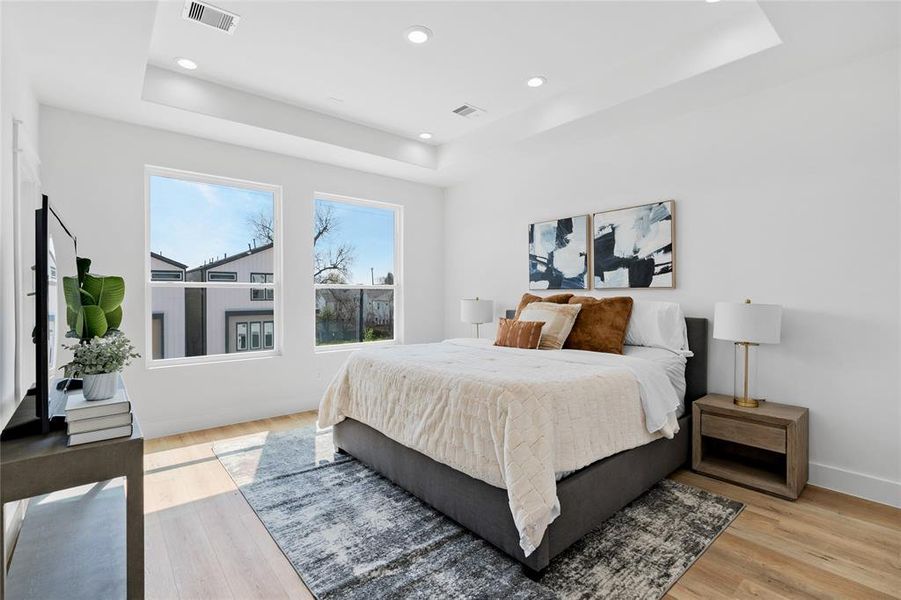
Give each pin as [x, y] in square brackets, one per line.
[186, 63]
[425, 135]
[712, 1]
[536, 81]
[418, 34]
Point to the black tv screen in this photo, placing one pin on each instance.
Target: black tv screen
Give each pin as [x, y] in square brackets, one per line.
[55, 258]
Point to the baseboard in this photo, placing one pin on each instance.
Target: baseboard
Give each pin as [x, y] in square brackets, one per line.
[864, 486]
[184, 424]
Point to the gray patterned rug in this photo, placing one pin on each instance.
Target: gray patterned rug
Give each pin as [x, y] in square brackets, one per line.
[351, 533]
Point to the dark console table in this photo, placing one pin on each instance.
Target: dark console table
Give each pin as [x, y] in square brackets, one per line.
[42, 464]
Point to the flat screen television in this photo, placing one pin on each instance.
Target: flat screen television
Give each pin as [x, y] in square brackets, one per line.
[55, 254]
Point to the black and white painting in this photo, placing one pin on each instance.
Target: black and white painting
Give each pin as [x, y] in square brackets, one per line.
[633, 247]
[558, 254]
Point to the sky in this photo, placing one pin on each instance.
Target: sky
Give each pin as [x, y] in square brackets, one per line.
[192, 222]
[370, 231]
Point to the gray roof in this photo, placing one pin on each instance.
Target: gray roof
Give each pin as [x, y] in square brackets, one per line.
[228, 259]
[172, 262]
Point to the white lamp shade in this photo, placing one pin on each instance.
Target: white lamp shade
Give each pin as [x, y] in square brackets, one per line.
[475, 310]
[747, 322]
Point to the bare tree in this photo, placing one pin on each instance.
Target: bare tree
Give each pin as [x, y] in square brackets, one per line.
[261, 228]
[332, 264]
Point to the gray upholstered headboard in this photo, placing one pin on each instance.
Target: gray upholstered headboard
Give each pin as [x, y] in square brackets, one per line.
[696, 367]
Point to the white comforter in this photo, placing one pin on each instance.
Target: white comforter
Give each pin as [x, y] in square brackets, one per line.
[509, 417]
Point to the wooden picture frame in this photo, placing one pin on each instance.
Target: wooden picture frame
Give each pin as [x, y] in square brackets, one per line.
[558, 254]
[634, 247]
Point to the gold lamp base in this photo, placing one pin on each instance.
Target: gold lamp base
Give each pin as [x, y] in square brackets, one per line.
[743, 397]
[746, 402]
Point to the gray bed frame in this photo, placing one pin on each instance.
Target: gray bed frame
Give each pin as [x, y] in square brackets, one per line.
[587, 497]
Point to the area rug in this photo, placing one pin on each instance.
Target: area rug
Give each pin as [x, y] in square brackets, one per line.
[351, 533]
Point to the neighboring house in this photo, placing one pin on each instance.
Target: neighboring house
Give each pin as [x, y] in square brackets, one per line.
[224, 321]
[168, 325]
[202, 321]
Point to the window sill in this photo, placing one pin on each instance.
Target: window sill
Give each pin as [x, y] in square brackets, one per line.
[193, 361]
[333, 348]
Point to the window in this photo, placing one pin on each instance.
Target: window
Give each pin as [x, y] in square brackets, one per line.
[249, 335]
[222, 276]
[256, 340]
[221, 230]
[241, 336]
[356, 270]
[261, 294]
[166, 276]
[268, 334]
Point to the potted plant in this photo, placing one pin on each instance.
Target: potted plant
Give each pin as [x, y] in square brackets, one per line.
[94, 313]
[98, 363]
[93, 302]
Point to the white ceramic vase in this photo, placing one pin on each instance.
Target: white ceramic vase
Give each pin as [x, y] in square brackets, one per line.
[100, 387]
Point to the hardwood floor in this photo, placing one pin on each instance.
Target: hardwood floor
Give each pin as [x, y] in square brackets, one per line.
[204, 541]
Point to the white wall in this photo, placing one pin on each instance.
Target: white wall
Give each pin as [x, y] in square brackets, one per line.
[17, 102]
[789, 195]
[93, 171]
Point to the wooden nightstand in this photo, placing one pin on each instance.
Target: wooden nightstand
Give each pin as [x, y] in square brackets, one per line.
[763, 448]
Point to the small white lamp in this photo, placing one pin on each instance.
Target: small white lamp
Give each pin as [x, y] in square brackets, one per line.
[476, 311]
[748, 325]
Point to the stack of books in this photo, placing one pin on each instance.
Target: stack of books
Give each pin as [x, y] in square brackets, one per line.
[95, 420]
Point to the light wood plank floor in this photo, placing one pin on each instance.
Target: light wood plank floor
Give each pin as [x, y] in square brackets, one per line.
[204, 541]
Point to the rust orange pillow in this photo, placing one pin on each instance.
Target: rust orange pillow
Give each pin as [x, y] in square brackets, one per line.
[530, 298]
[518, 334]
[601, 324]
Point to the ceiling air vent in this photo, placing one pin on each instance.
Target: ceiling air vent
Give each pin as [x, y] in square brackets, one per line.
[209, 15]
[469, 111]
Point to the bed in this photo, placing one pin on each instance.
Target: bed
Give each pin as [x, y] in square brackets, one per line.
[585, 495]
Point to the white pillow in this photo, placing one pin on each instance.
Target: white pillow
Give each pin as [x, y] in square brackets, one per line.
[658, 325]
[558, 321]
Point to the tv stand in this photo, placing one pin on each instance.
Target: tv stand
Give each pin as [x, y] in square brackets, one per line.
[40, 464]
[25, 422]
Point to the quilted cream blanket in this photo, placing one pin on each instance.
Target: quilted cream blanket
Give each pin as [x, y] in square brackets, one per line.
[509, 417]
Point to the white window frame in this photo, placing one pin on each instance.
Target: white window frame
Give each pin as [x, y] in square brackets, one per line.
[398, 288]
[276, 286]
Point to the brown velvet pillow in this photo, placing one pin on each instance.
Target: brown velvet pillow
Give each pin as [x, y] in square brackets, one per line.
[518, 334]
[530, 298]
[601, 324]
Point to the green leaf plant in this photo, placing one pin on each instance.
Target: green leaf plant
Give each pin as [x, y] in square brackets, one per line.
[93, 303]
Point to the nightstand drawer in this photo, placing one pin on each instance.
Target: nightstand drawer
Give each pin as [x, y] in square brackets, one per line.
[758, 435]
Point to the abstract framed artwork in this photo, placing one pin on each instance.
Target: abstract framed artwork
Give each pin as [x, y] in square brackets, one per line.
[633, 247]
[558, 254]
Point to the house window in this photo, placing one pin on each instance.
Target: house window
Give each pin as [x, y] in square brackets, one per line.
[356, 270]
[159, 275]
[261, 294]
[222, 276]
[241, 336]
[268, 334]
[256, 338]
[222, 230]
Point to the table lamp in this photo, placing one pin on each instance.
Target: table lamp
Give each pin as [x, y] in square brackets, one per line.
[748, 325]
[476, 311]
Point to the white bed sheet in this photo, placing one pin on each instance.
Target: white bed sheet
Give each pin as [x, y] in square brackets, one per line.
[672, 362]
